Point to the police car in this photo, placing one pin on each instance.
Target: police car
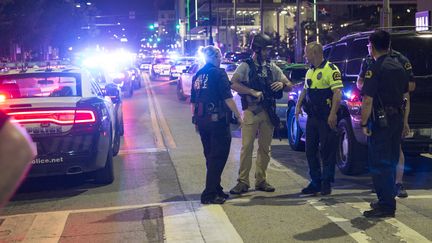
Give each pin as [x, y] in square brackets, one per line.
[161, 67]
[74, 124]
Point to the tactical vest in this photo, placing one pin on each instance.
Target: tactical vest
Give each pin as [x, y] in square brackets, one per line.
[259, 83]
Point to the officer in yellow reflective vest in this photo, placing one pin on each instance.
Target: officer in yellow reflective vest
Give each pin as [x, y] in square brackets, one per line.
[320, 99]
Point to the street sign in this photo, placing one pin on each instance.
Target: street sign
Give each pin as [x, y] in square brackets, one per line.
[423, 20]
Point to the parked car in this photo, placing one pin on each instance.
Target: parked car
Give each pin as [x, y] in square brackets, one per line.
[347, 54]
[181, 64]
[161, 66]
[145, 64]
[74, 124]
[185, 82]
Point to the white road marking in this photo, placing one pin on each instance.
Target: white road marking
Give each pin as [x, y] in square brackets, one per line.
[184, 221]
[404, 232]
[153, 115]
[141, 151]
[47, 228]
[343, 223]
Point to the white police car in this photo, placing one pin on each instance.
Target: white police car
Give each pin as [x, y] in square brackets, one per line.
[74, 124]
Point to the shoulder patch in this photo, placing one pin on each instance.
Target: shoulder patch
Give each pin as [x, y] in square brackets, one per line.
[368, 74]
[337, 76]
[332, 66]
[407, 66]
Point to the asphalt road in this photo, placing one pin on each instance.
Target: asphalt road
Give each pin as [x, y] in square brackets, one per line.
[160, 173]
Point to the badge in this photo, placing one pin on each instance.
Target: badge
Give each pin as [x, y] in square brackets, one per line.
[319, 76]
[368, 74]
[337, 76]
[408, 66]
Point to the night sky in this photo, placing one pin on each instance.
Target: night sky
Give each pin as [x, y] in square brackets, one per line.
[146, 8]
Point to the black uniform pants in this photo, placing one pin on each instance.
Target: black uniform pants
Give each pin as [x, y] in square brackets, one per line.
[320, 138]
[216, 141]
[384, 149]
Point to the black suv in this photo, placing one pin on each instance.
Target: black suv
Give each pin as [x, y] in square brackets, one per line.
[347, 54]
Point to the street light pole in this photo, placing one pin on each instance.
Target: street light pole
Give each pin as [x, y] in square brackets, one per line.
[235, 26]
[298, 44]
[262, 16]
[210, 23]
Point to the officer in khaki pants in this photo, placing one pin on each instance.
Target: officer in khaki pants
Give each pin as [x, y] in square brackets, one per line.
[258, 81]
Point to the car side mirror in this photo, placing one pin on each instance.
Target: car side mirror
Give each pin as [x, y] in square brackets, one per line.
[113, 91]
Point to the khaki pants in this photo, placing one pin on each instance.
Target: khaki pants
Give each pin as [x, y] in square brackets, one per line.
[252, 124]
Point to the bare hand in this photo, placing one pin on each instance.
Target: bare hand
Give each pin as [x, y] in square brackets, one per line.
[258, 95]
[298, 111]
[367, 131]
[276, 86]
[406, 130]
[332, 121]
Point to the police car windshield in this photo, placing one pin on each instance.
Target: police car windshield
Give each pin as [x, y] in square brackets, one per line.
[185, 61]
[163, 61]
[39, 85]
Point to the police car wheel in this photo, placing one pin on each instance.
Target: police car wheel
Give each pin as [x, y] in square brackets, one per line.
[106, 174]
[116, 142]
[294, 132]
[349, 159]
[180, 94]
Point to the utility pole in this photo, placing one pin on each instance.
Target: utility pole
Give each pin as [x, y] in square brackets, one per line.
[298, 44]
[386, 14]
[262, 16]
[235, 26]
[211, 24]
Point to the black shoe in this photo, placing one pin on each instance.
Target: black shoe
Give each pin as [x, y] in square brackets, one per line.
[374, 205]
[216, 200]
[326, 188]
[378, 213]
[239, 188]
[265, 187]
[400, 191]
[310, 189]
[223, 195]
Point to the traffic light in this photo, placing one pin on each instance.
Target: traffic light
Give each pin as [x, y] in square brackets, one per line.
[178, 26]
[151, 27]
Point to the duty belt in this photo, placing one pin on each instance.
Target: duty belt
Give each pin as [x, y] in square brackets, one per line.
[392, 110]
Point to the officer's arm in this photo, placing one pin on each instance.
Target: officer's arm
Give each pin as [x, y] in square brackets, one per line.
[231, 104]
[407, 107]
[359, 83]
[337, 96]
[366, 109]
[238, 86]
[280, 76]
[301, 98]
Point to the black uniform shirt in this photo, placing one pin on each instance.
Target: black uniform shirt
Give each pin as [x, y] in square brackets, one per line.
[394, 54]
[210, 84]
[387, 79]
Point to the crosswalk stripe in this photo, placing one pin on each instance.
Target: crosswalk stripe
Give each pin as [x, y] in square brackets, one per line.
[184, 221]
[404, 232]
[47, 228]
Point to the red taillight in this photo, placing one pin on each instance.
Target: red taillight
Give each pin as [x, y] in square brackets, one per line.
[61, 117]
[2, 98]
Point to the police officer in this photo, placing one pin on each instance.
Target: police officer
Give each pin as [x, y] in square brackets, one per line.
[259, 82]
[212, 103]
[320, 98]
[399, 188]
[384, 89]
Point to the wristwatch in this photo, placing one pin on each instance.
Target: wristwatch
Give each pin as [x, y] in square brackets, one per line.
[364, 125]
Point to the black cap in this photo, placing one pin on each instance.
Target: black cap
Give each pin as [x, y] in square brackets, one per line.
[260, 41]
